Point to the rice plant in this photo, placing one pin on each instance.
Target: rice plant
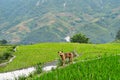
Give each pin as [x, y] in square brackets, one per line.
[106, 68]
[30, 55]
[38, 68]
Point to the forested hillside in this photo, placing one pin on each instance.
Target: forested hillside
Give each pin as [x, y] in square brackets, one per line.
[30, 21]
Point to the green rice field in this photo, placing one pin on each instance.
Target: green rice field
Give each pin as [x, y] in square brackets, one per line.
[106, 68]
[30, 55]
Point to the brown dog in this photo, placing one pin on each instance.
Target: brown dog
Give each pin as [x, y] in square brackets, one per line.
[65, 55]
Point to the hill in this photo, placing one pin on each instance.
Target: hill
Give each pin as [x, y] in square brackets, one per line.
[31, 21]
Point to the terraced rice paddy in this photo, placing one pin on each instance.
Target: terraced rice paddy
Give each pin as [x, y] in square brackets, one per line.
[105, 68]
[30, 55]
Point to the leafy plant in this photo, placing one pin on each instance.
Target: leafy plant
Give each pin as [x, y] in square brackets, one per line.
[118, 35]
[21, 78]
[59, 62]
[6, 53]
[3, 42]
[79, 38]
[38, 68]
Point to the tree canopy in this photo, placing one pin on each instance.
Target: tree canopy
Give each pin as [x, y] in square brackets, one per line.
[79, 38]
[3, 41]
[118, 35]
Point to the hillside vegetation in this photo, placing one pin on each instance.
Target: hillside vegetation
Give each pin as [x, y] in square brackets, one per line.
[6, 52]
[102, 69]
[31, 21]
[30, 55]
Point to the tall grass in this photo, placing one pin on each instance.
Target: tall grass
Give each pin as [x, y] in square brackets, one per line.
[38, 68]
[106, 68]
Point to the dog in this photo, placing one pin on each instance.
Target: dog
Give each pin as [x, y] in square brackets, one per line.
[64, 56]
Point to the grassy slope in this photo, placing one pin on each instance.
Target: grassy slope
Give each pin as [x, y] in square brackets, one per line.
[29, 55]
[106, 68]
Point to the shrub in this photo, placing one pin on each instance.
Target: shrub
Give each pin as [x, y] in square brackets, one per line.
[5, 56]
[79, 38]
[3, 41]
[118, 35]
[38, 68]
[21, 78]
[59, 62]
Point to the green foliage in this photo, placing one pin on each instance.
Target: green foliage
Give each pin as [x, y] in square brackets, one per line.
[5, 53]
[30, 55]
[21, 78]
[59, 63]
[116, 41]
[118, 35]
[38, 68]
[106, 68]
[79, 38]
[3, 41]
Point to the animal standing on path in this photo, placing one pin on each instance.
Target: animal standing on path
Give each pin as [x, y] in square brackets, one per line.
[64, 56]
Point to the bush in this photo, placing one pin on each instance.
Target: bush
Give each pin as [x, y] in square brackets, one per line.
[3, 41]
[6, 55]
[21, 78]
[38, 68]
[118, 35]
[59, 63]
[79, 38]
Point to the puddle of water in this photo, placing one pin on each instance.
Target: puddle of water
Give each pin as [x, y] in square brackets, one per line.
[48, 68]
[15, 74]
[25, 72]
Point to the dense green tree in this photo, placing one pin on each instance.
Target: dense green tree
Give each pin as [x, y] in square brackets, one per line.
[118, 35]
[3, 41]
[79, 38]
